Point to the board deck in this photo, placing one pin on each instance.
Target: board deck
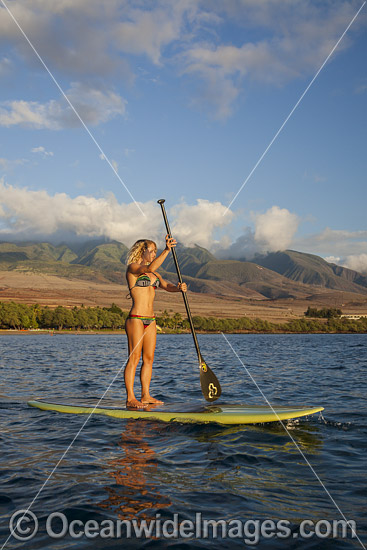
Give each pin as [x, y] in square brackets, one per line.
[221, 414]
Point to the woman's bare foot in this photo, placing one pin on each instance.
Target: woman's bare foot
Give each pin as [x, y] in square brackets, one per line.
[149, 399]
[135, 404]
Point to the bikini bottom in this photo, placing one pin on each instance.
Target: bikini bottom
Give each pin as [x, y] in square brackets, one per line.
[145, 320]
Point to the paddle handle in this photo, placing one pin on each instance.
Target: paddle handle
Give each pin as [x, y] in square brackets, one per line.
[161, 202]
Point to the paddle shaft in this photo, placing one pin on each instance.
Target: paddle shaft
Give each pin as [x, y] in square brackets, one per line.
[161, 202]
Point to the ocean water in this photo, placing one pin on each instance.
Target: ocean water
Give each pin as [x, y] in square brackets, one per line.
[92, 483]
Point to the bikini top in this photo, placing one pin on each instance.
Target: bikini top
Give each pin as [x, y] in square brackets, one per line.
[144, 280]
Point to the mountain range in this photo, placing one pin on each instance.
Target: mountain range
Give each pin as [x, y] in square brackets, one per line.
[286, 274]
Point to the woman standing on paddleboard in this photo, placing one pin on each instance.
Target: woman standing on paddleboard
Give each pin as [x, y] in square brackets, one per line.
[142, 280]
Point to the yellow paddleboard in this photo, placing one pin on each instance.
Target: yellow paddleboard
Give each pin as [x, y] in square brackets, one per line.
[221, 414]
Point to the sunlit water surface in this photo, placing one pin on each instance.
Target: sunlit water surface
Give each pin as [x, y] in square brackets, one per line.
[136, 469]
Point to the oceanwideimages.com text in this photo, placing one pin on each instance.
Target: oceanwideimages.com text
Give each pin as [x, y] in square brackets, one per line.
[24, 525]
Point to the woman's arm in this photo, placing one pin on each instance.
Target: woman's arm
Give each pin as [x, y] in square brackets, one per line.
[169, 287]
[170, 243]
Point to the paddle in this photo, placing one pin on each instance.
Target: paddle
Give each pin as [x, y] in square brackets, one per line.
[209, 383]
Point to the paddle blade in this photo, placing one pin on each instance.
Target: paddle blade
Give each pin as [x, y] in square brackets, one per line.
[209, 383]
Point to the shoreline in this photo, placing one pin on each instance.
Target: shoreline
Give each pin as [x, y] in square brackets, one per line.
[35, 289]
[36, 319]
[25, 332]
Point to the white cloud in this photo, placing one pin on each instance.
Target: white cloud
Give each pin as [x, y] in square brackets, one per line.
[36, 213]
[216, 92]
[25, 113]
[299, 38]
[332, 259]
[73, 37]
[99, 39]
[94, 106]
[196, 224]
[42, 151]
[8, 164]
[148, 31]
[275, 229]
[30, 214]
[336, 242]
[256, 60]
[357, 262]
[90, 37]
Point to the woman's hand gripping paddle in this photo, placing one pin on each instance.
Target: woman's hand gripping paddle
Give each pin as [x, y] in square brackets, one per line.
[209, 383]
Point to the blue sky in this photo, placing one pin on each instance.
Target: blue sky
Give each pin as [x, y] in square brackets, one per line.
[183, 97]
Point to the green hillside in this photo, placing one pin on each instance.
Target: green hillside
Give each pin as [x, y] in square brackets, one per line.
[109, 253]
[349, 275]
[36, 251]
[191, 260]
[236, 271]
[288, 274]
[253, 277]
[312, 270]
[101, 262]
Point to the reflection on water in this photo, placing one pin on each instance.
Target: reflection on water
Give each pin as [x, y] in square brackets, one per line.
[224, 458]
[133, 470]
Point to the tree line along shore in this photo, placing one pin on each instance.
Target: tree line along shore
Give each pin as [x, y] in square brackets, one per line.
[14, 316]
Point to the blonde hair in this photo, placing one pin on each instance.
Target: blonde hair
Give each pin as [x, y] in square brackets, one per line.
[137, 250]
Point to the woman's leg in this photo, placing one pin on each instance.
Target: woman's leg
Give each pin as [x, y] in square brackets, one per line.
[150, 337]
[135, 335]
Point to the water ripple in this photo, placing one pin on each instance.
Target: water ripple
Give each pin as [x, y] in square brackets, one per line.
[138, 469]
